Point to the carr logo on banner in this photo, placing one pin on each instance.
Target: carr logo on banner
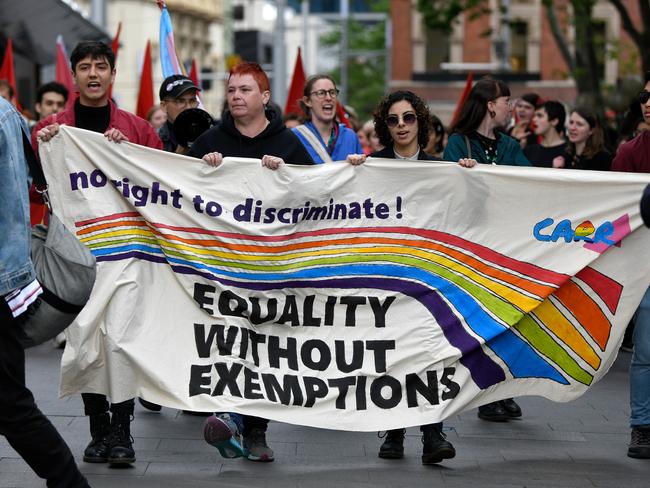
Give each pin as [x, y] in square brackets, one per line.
[396, 292]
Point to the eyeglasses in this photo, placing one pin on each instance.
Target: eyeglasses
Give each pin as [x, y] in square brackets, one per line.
[644, 96]
[192, 102]
[408, 118]
[320, 94]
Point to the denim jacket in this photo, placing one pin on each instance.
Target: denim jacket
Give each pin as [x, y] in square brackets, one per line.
[16, 269]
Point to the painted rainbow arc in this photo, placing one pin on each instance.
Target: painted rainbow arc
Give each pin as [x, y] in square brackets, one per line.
[506, 317]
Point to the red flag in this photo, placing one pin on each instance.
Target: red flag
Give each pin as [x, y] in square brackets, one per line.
[463, 98]
[7, 71]
[115, 46]
[296, 87]
[63, 74]
[145, 93]
[194, 73]
[343, 117]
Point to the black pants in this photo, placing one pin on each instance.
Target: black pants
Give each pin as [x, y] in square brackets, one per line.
[95, 404]
[251, 423]
[28, 431]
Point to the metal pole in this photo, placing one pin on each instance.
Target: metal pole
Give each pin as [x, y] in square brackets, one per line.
[345, 14]
[98, 12]
[304, 10]
[279, 57]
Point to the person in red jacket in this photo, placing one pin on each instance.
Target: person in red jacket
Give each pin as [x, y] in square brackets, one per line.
[634, 156]
[93, 69]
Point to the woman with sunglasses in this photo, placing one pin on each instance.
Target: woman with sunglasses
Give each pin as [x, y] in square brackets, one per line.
[324, 138]
[478, 133]
[586, 148]
[402, 123]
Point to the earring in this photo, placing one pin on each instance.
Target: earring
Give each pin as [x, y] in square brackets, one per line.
[492, 113]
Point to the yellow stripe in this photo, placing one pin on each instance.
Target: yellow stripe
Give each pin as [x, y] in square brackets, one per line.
[557, 323]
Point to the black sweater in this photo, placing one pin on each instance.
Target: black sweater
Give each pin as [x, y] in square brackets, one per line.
[275, 140]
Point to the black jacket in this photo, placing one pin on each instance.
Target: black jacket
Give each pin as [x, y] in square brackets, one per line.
[274, 140]
[388, 153]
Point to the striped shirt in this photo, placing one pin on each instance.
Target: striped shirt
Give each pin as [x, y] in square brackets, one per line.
[19, 300]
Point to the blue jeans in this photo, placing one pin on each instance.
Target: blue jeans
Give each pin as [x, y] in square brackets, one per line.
[640, 366]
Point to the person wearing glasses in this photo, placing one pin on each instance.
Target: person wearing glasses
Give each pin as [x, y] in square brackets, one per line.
[478, 133]
[633, 157]
[586, 148]
[324, 138]
[402, 122]
[177, 93]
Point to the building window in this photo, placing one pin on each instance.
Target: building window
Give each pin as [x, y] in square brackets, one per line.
[519, 46]
[437, 49]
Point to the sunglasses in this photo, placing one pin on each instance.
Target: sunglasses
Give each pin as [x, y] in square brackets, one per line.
[644, 96]
[408, 119]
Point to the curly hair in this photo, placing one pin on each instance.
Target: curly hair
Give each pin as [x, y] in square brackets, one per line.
[421, 111]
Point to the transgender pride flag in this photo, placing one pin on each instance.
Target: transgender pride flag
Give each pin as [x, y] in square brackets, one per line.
[168, 57]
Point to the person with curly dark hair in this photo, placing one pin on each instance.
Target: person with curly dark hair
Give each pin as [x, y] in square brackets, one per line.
[478, 133]
[402, 123]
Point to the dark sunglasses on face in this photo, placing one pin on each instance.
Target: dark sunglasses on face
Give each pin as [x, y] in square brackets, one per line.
[644, 96]
[408, 119]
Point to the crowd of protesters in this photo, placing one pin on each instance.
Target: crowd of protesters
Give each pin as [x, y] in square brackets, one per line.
[488, 130]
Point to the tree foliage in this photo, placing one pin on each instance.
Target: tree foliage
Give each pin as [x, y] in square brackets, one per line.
[366, 62]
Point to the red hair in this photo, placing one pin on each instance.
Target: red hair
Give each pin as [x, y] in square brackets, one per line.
[256, 71]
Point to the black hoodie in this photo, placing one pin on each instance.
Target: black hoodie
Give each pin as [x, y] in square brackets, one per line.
[275, 140]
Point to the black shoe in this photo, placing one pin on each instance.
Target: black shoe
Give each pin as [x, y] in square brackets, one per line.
[120, 440]
[435, 446]
[97, 449]
[154, 407]
[639, 447]
[393, 445]
[511, 407]
[493, 412]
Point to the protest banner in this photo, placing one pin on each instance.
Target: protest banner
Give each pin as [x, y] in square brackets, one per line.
[391, 294]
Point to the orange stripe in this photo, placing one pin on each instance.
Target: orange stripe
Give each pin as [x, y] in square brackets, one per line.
[586, 311]
[517, 281]
[94, 228]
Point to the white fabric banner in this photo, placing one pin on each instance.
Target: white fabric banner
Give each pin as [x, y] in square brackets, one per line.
[387, 295]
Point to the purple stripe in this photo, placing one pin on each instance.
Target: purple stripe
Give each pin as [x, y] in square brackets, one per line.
[484, 371]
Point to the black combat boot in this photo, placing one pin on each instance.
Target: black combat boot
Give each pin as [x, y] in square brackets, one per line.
[120, 440]
[435, 446]
[393, 445]
[97, 449]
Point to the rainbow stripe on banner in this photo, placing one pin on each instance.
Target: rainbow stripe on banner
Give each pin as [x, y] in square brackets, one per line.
[536, 323]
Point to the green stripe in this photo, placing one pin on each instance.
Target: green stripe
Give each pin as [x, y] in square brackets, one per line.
[545, 344]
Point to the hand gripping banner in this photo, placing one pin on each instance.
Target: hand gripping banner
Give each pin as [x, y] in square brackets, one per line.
[387, 295]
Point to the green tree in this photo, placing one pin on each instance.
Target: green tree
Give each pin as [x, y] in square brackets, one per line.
[641, 35]
[366, 62]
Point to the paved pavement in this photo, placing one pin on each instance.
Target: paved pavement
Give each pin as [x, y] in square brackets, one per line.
[578, 444]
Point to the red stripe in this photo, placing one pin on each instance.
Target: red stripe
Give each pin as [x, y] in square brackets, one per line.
[37, 290]
[606, 288]
[107, 217]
